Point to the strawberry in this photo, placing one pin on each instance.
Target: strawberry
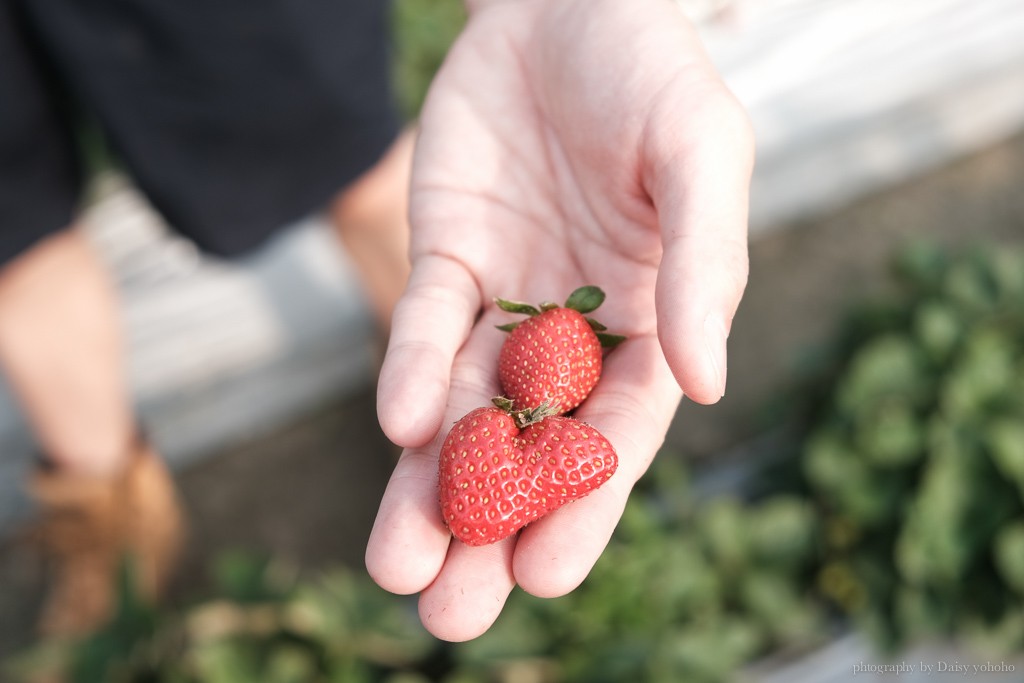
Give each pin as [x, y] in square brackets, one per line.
[499, 471]
[555, 355]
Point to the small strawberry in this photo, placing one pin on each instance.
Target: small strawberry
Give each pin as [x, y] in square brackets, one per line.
[498, 474]
[555, 355]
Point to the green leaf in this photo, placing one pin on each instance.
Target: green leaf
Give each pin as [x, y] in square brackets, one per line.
[933, 547]
[288, 663]
[595, 326]
[782, 530]
[920, 612]
[888, 434]
[508, 327]
[1009, 555]
[610, 341]
[516, 307]
[228, 661]
[938, 327]
[774, 599]
[889, 365]
[246, 577]
[1007, 271]
[969, 287]
[1004, 636]
[724, 529]
[1005, 439]
[585, 299]
[923, 264]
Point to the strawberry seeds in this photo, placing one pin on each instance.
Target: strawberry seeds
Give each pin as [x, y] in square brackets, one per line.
[504, 466]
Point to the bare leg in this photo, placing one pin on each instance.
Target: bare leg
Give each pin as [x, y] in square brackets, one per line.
[109, 495]
[371, 218]
[61, 348]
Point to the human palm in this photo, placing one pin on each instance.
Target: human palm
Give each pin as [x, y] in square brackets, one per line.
[563, 143]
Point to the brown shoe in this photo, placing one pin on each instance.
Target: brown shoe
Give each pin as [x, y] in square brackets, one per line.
[90, 525]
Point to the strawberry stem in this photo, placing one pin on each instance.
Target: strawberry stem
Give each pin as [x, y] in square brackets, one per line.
[525, 418]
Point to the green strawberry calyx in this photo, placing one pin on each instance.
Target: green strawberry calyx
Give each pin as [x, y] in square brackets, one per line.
[583, 300]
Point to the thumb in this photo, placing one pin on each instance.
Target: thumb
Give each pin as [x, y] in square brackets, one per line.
[699, 180]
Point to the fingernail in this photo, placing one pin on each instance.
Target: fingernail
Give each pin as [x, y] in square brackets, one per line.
[715, 334]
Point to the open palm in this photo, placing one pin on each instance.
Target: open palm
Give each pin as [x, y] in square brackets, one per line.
[563, 143]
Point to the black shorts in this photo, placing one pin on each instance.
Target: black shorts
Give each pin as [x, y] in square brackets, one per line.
[235, 117]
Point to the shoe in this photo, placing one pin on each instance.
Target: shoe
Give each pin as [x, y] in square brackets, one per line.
[90, 525]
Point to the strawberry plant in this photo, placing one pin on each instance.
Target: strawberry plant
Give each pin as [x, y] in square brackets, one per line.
[904, 510]
[685, 591]
[916, 457]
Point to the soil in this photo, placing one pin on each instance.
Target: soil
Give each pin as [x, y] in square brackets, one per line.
[309, 492]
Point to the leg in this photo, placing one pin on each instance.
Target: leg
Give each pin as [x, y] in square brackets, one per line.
[370, 217]
[60, 345]
[105, 493]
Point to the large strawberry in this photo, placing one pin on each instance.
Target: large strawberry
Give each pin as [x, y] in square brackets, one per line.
[496, 476]
[555, 355]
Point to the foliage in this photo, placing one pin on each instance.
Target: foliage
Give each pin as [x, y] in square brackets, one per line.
[683, 592]
[904, 509]
[265, 625]
[917, 458]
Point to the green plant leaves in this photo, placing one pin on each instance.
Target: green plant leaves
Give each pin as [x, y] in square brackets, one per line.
[889, 367]
[1008, 552]
[905, 511]
[1005, 440]
[917, 454]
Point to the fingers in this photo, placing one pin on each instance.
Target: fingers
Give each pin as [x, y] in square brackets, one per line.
[632, 407]
[431, 322]
[463, 589]
[409, 540]
[471, 591]
[699, 180]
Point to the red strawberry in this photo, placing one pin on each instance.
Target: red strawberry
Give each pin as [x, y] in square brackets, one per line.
[555, 355]
[496, 478]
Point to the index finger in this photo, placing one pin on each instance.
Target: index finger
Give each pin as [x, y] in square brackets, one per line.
[431, 322]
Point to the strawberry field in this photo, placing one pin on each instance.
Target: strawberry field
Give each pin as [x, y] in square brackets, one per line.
[891, 504]
[864, 474]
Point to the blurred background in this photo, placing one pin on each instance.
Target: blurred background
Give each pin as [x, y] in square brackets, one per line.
[854, 502]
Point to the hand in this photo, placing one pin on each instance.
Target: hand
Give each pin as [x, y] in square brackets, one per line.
[563, 143]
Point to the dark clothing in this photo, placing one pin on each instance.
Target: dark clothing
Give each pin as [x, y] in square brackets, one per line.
[235, 117]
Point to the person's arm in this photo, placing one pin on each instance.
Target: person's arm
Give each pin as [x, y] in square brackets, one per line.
[563, 143]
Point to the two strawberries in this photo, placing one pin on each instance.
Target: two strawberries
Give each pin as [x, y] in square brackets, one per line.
[505, 466]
